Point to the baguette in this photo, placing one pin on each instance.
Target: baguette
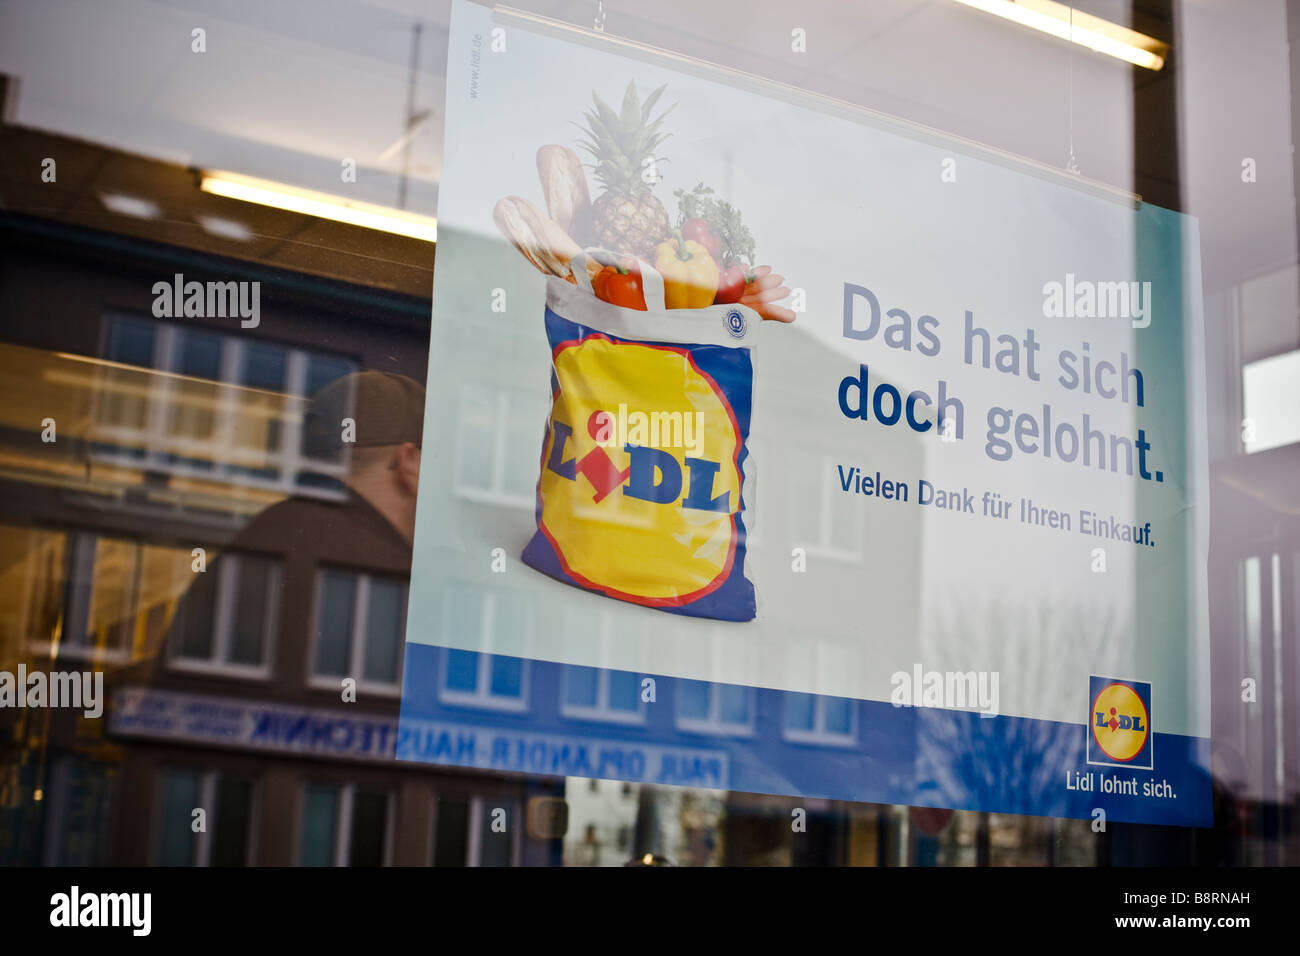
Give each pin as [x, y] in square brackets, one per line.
[564, 185]
[538, 237]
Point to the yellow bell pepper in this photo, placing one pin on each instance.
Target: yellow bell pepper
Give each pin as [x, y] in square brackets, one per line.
[690, 274]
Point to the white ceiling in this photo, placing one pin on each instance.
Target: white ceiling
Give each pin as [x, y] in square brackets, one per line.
[288, 88]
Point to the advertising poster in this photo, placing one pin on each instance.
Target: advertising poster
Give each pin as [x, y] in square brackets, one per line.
[777, 446]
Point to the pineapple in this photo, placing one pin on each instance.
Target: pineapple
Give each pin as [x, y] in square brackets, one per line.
[626, 217]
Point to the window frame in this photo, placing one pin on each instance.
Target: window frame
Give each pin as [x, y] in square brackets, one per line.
[819, 734]
[822, 547]
[601, 711]
[356, 648]
[482, 696]
[495, 495]
[713, 725]
[209, 780]
[343, 821]
[223, 624]
[155, 442]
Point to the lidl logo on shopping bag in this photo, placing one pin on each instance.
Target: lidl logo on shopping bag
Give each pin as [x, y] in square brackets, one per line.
[640, 493]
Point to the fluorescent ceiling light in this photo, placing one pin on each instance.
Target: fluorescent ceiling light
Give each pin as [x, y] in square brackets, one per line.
[1086, 30]
[321, 205]
[132, 206]
[225, 228]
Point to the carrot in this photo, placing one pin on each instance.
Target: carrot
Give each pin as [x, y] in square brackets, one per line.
[763, 291]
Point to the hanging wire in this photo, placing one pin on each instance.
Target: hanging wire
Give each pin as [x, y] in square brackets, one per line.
[600, 16]
[1073, 164]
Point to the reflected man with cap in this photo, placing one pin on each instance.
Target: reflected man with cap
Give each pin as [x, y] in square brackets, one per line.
[371, 532]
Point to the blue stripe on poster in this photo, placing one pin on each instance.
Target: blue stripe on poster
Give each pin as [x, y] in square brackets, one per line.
[566, 720]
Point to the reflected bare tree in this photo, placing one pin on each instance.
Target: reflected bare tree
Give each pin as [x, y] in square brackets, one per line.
[1006, 761]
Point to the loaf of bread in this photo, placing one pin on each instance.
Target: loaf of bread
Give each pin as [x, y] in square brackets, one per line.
[564, 185]
[541, 240]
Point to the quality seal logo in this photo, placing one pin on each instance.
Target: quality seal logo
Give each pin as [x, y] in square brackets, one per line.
[1119, 723]
[736, 324]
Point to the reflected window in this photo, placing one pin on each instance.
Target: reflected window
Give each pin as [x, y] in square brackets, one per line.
[202, 403]
[360, 621]
[33, 582]
[497, 443]
[598, 693]
[483, 680]
[229, 617]
[228, 804]
[344, 825]
[120, 595]
[828, 520]
[813, 718]
[600, 684]
[499, 622]
[707, 708]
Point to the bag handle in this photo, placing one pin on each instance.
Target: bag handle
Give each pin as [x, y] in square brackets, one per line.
[652, 283]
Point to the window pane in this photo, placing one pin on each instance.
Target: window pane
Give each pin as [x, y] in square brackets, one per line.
[234, 818]
[252, 593]
[112, 595]
[369, 826]
[805, 503]
[510, 617]
[264, 366]
[322, 369]
[507, 676]
[260, 407]
[383, 631]
[477, 439]
[733, 704]
[581, 687]
[334, 623]
[193, 417]
[176, 841]
[494, 848]
[464, 614]
[524, 435]
[320, 814]
[693, 699]
[132, 342]
[462, 670]
[451, 832]
[846, 518]
[839, 715]
[624, 690]
[800, 711]
[198, 354]
[194, 619]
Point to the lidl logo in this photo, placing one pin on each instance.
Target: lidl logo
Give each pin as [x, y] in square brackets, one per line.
[1119, 723]
[652, 516]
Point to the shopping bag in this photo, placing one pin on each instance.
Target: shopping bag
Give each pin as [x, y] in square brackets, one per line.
[645, 470]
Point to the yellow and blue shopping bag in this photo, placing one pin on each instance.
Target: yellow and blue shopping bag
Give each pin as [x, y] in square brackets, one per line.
[642, 488]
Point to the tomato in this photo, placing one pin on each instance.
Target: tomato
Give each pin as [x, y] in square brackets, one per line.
[697, 230]
[731, 284]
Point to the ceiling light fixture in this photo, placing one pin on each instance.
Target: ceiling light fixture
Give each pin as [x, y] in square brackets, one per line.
[1081, 28]
[320, 205]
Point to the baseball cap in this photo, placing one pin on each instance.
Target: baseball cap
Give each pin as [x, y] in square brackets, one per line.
[388, 409]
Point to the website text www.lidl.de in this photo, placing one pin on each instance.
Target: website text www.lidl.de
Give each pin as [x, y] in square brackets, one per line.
[1203, 923]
